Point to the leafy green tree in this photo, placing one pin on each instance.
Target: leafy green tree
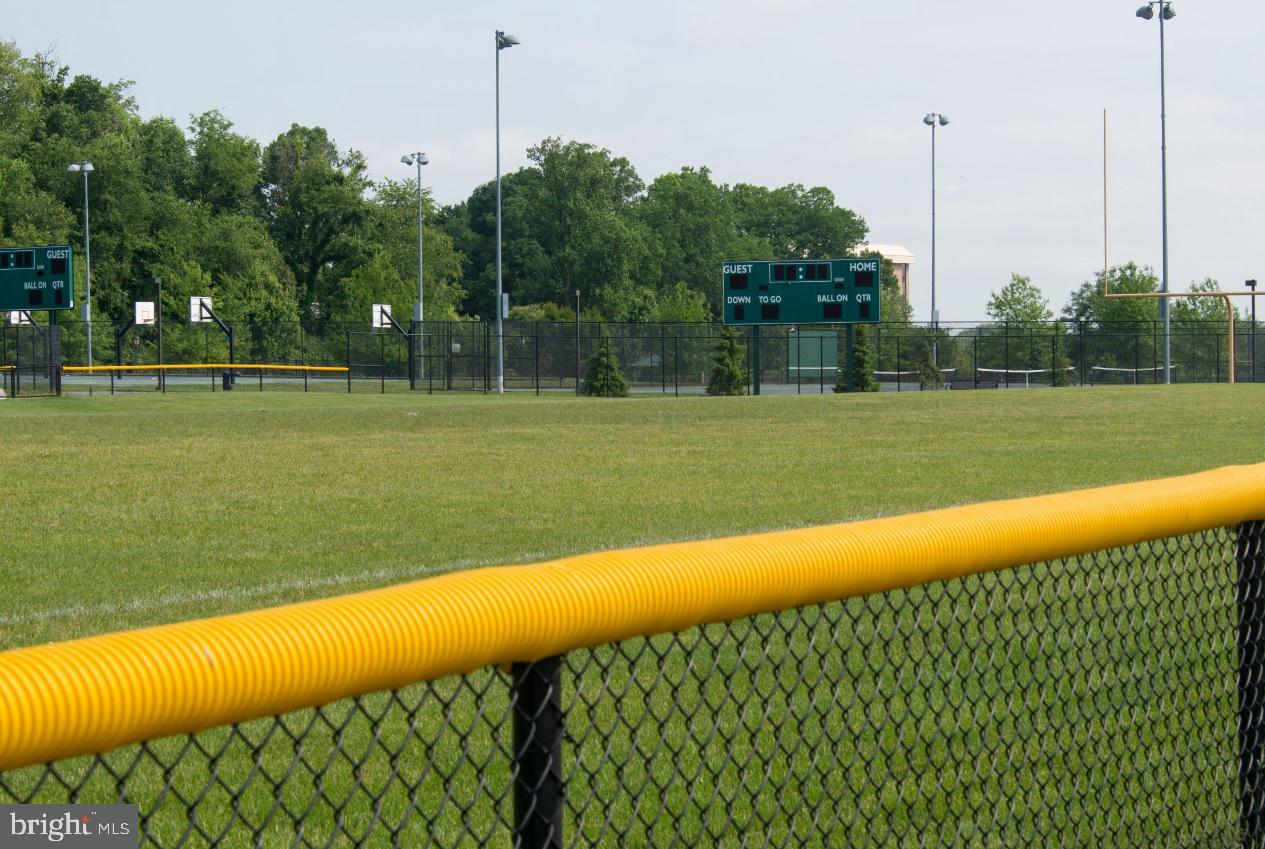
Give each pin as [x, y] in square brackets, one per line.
[28, 214]
[1020, 302]
[627, 302]
[541, 312]
[583, 218]
[22, 84]
[165, 162]
[1201, 310]
[693, 229]
[929, 376]
[391, 231]
[692, 223]
[1123, 317]
[729, 375]
[1088, 305]
[528, 273]
[312, 198]
[681, 304]
[226, 166]
[604, 377]
[862, 365]
[797, 222]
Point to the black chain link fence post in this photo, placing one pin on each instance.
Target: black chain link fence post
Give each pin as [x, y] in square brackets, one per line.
[1250, 555]
[537, 698]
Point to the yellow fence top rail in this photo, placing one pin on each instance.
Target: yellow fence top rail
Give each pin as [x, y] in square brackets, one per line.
[95, 694]
[7, 368]
[168, 367]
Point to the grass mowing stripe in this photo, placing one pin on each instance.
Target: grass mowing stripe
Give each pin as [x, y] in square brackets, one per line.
[128, 499]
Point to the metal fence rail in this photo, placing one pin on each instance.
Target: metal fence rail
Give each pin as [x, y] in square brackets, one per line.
[206, 376]
[676, 358]
[959, 697]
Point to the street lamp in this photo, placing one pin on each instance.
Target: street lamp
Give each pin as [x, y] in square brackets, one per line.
[86, 168]
[932, 119]
[419, 311]
[1146, 13]
[503, 40]
[419, 159]
[1251, 284]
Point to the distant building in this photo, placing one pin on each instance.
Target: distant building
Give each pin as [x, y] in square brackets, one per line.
[901, 259]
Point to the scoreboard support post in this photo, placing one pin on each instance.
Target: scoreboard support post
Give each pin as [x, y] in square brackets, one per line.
[847, 365]
[755, 360]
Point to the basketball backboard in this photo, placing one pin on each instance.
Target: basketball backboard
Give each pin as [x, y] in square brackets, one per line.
[199, 308]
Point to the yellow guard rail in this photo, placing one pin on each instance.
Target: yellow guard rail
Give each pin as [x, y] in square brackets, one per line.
[95, 694]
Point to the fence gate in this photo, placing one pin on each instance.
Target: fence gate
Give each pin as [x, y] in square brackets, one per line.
[30, 360]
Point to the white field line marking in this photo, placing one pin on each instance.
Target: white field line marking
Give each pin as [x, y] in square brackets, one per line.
[232, 594]
[371, 576]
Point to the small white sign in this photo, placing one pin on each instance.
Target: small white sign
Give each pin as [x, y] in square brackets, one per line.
[145, 313]
[20, 317]
[381, 315]
[199, 309]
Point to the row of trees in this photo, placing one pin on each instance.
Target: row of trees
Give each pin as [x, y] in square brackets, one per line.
[295, 230]
[1021, 302]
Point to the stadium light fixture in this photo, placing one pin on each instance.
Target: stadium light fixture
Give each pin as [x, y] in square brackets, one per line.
[1147, 12]
[86, 168]
[932, 119]
[419, 311]
[419, 159]
[503, 40]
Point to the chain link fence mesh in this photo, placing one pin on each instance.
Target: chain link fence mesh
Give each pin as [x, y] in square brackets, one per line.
[30, 360]
[677, 358]
[1108, 700]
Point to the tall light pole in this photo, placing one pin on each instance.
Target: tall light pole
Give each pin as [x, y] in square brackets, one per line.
[419, 311]
[420, 159]
[931, 119]
[86, 168]
[1146, 13]
[503, 40]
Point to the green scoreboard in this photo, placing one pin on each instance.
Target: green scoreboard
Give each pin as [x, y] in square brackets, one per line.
[40, 278]
[819, 291]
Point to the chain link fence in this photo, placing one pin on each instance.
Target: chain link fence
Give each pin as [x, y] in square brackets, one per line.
[676, 359]
[30, 360]
[1111, 699]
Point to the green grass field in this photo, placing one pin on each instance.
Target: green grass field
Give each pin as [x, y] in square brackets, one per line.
[126, 511]
[1089, 702]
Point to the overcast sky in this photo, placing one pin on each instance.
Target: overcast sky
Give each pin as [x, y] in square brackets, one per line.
[819, 92]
